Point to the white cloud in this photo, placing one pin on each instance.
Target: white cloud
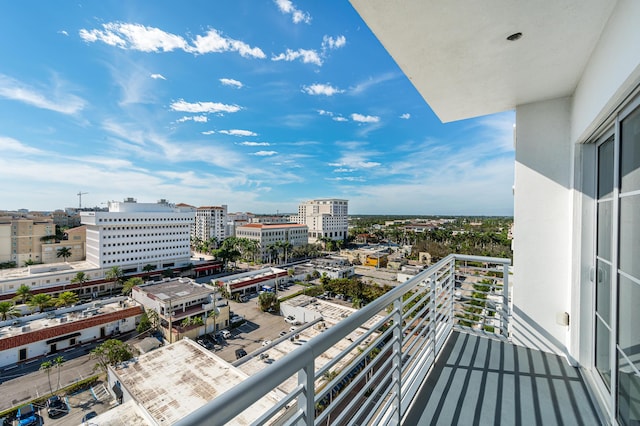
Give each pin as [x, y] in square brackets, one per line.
[333, 43]
[196, 118]
[405, 116]
[373, 81]
[343, 170]
[347, 179]
[231, 82]
[287, 7]
[255, 143]
[321, 89]
[323, 112]
[12, 145]
[203, 107]
[365, 118]
[265, 153]
[213, 41]
[307, 56]
[208, 132]
[157, 76]
[238, 132]
[340, 118]
[150, 39]
[63, 32]
[57, 100]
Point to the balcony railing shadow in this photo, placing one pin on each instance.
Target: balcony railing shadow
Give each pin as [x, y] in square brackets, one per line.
[481, 381]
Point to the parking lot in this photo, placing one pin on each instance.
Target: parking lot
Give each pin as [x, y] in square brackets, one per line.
[259, 326]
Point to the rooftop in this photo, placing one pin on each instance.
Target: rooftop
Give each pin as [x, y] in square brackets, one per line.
[174, 289]
[46, 269]
[172, 381]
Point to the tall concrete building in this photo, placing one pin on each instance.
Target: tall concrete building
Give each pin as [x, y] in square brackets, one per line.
[20, 239]
[131, 235]
[324, 218]
[211, 222]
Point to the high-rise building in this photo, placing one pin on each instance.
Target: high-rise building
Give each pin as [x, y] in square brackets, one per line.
[325, 218]
[132, 235]
[21, 239]
[211, 222]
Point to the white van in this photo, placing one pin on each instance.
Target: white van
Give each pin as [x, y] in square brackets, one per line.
[226, 334]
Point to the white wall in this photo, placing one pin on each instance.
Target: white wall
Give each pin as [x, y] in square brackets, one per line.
[543, 224]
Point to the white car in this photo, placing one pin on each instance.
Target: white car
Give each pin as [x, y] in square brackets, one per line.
[266, 342]
[290, 319]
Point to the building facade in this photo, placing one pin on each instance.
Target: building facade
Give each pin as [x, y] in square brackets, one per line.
[20, 239]
[269, 235]
[131, 235]
[178, 302]
[325, 218]
[74, 242]
[211, 222]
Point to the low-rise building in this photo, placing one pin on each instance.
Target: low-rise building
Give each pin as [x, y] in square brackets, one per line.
[269, 235]
[252, 281]
[185, 307]
[75, 239]
[36, 335]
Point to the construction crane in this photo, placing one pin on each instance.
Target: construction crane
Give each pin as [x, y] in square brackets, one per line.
[80, 194]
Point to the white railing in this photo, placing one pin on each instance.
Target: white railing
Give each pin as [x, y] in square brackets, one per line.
[375, 379]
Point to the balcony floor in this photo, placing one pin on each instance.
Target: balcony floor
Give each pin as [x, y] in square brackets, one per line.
[481, 381]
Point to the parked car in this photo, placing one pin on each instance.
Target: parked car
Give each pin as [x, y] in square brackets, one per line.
[226, 334]
[240, 353]
[290, 319]
[89, 416]
[266, 342]
[236, 319]
[283, 333]
[56, 407]
[27, 416]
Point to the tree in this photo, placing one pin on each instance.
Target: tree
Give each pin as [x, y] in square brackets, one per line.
[130, 283]
[57, 362]
[80, 278]
[29, 262]
[8, 310]
[114, 275]
[66, 298]
[267, 301]
[111, 352]
[41, 301]
[64, 252]
[23, 293]
[214, 313]
[149, 267]
[47, 366]
[145, 323]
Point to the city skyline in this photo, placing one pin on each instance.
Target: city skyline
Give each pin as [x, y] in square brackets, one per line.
[256, 105]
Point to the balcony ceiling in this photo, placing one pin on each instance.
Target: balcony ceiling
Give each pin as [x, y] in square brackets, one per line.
[457, 54]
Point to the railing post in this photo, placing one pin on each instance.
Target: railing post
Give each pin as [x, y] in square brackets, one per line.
[452, 277]
[306, 401]
[504, 318]
[397, 357]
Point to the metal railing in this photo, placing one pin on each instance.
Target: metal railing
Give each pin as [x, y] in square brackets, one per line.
[375, 379]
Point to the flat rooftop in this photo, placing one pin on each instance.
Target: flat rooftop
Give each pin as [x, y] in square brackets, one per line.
[64, 316]
[46, 269]
[172, 381]
[175, 289]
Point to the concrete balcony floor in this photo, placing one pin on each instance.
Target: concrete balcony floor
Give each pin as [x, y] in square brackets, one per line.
[481, 381]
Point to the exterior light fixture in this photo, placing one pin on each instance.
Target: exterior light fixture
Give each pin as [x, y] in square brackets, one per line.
[514, 37]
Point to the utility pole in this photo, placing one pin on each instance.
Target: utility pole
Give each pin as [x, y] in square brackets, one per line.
[80, 194]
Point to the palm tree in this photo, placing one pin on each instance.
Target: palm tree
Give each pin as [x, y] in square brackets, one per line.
[148, 268]
[8, 310]
[114, 275]
[64, 252]
[46, 366]
[58, 361]
[41, 301]
[286, 246]
[66, 298]
[130, 284]
[272, 250]
[80, 278]
[23, 293]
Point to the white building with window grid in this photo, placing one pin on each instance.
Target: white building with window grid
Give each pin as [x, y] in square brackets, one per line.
[131, 235]
[326, 218]
[211, 222]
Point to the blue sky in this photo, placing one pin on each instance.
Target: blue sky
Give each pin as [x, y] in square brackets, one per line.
[254, 104]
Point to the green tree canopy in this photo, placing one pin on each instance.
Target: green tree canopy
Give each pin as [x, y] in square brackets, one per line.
[64, 252]
[23, 293]
[66, 298]
[111, 352]
[41, 301]
[130, 284]
[268, 300]
[8, 310]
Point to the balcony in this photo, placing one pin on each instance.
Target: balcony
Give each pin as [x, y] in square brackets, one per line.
[435, 350]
